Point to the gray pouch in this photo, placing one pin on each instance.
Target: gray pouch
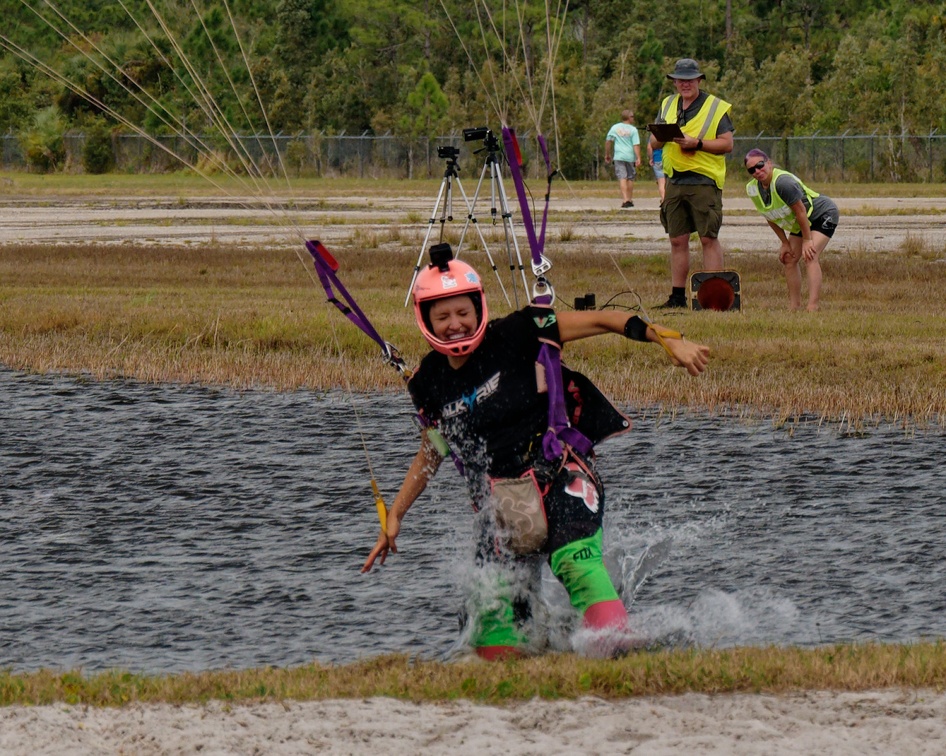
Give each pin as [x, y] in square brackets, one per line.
[520, 513]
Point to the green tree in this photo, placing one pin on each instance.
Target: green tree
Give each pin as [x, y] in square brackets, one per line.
[775, 97]
[424, 114]
[426, 110]
[15, 104]
[652, 76]
[788, 66]
[97, 153]
[44, 140]
[307, 33]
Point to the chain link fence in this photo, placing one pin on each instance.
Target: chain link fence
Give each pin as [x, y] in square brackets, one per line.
[849, 158]
[852, 158]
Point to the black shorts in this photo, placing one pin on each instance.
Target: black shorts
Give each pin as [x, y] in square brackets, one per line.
[574, 504]
[826, 223]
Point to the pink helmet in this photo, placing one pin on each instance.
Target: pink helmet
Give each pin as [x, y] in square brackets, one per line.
[443, 278]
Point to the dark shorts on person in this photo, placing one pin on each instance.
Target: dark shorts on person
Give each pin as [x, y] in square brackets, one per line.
[689, 208]
[826, 220]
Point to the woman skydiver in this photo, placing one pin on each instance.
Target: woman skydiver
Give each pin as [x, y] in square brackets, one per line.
[487, 390]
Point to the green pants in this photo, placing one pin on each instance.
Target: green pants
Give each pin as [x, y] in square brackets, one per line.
[501, 601]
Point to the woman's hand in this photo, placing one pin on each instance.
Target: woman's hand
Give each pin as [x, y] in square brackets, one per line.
[422, 469]
[808, 250]
[688, 354]
[786, 255]
[385, 543]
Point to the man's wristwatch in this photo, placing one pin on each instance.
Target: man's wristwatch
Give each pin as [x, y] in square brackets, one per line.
[699, 144]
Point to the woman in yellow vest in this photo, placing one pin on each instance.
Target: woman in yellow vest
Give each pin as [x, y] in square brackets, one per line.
[801, 218]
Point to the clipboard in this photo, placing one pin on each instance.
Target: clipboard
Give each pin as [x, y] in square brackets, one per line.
[665, 132]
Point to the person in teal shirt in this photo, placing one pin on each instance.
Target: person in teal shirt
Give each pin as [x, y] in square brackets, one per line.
[622, 146]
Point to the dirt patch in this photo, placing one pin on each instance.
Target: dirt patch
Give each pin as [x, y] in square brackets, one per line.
[867, 224]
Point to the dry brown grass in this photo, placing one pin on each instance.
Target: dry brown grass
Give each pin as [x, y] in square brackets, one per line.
[255, 318]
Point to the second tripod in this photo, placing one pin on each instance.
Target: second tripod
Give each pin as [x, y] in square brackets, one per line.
[492, 167]
[443, 212]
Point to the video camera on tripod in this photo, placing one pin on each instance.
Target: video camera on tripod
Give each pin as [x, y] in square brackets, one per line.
[490, 142]
[448, 152]
[499, 207]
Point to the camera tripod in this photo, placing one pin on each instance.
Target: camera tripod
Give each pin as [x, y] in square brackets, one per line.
[445, 196]
[497, 191]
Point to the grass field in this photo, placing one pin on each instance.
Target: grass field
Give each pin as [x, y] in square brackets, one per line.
[742, 670]
[254, 317]
[189, 184]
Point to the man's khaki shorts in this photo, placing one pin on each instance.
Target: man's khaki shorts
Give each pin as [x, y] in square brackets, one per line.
[687, 208]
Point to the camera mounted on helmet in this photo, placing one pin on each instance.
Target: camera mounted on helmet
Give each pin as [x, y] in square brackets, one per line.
[440, 256]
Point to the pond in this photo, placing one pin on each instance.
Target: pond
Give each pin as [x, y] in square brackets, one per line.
[162, 528]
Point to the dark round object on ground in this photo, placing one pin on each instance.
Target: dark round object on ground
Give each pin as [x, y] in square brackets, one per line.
[716, 294]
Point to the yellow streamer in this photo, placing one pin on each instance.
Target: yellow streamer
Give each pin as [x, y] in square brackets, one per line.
[379, 503]
[665, 333]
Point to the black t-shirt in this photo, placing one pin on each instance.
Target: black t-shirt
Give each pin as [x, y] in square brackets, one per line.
[490, 410]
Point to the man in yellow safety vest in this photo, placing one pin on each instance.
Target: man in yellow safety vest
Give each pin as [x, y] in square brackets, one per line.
[695, 166]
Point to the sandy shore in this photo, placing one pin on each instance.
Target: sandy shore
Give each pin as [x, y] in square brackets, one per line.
[885, 722]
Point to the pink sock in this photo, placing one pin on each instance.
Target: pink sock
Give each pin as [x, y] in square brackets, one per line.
[606, 614]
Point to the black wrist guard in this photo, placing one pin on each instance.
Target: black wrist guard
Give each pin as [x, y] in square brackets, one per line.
[635, 329]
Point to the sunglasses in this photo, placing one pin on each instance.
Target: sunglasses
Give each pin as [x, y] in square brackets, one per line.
[757, 167]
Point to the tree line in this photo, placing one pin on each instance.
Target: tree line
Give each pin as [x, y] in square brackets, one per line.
[425, 67]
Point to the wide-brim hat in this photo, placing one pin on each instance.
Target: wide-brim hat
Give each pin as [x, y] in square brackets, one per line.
[686, 69]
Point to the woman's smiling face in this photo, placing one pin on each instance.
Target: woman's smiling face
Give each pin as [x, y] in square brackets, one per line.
[453, 318]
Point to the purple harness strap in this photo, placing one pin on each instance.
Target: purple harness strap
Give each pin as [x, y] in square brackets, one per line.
[560, 431]
[536, 244]
[325, 267]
